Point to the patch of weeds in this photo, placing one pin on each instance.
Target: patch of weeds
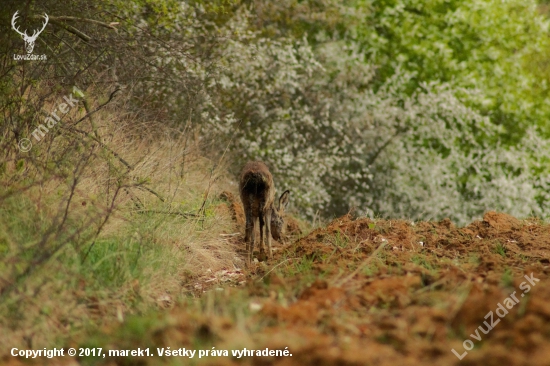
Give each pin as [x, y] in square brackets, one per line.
[325, 256]
[299, 267]
[382, 256]
[423, 262]
[371, 269]
[303, 265]
[508, 278]
[500, 249]
[341, 240]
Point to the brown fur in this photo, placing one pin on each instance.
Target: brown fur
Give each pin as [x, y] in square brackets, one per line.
[257, 194]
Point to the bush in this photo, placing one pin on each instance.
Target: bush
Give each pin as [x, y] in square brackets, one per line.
[335, 137]
[500, 48]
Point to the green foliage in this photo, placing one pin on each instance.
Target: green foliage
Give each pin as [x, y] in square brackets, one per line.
[317, 20]
[159, 14]
[500, 48]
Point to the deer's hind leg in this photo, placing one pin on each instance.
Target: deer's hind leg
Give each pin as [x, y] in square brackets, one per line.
[249, 236]
[268, 232]
[261, 220]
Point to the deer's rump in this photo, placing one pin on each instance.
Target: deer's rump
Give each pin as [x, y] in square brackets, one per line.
[256, 191]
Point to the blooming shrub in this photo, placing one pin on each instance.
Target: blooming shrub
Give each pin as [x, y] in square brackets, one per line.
[315, 118]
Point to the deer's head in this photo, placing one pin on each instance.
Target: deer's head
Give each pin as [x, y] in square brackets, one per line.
[29, 40]
[278, 216]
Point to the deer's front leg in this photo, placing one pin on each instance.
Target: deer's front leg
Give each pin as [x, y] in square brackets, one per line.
[268, 232]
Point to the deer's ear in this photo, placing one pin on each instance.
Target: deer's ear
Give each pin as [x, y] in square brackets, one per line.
[283, 200]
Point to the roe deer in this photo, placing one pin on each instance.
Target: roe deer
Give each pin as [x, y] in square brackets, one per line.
[257, 194]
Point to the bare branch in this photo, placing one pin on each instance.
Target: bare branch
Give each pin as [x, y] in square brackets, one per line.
[100, 107]
[76, 19]
[73, 30]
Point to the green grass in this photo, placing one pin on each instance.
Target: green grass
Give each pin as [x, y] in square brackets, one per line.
[372, 268]
[340, 240]
[499, 249]
[422, 261]
[508, 278]
[74, 276]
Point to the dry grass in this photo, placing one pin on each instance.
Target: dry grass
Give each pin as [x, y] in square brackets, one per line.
[105, 229]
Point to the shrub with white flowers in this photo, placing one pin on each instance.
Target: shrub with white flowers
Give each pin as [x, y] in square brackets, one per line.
[313, 115]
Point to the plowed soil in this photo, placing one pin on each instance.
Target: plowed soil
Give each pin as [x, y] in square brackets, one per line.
[429, 286]
[375, 292]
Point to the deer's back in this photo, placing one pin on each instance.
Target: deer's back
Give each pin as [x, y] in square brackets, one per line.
[256, 187]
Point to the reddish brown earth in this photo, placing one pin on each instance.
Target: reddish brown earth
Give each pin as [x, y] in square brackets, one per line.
[371, 292]
[425, 299]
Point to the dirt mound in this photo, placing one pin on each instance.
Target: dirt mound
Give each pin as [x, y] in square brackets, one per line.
[235, 208]
[501, 222]
[385, 292]
[437, 282]
[292, 226]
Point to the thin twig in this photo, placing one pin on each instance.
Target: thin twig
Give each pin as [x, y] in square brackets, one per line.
[86, 38]
[99, 107]
[384, 145]
[93, 21]
[203, 206]
[184, 214]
